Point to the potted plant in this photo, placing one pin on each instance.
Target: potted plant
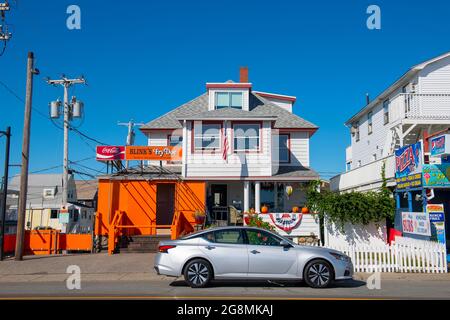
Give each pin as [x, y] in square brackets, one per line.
[295, 209]
[199, 216]
[264, 209]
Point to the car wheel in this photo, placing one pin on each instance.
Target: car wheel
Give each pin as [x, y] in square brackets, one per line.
[318, 274]
[198, 273]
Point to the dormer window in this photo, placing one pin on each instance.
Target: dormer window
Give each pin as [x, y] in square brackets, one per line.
[228, 100]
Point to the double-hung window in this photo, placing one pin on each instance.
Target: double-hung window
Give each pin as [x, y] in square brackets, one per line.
[246, 137]
[386, 111]
[207, 136]
[175, 140]
[228, 100]
[283, 145]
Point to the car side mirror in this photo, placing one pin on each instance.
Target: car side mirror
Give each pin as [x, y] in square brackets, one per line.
[285, 244]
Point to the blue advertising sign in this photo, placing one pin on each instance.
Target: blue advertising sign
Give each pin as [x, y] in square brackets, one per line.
[437, 220]
[440, 146]
[408, 160]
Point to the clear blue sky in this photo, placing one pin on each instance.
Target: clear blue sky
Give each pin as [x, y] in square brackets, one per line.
[143, 58]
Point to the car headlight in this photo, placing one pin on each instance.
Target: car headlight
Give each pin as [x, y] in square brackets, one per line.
[340, 257]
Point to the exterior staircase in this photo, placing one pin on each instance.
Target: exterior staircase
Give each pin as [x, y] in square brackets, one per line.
[141, 244]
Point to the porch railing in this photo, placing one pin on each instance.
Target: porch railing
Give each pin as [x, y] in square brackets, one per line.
[427, 106]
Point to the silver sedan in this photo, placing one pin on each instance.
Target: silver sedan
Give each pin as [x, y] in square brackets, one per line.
[249, 253]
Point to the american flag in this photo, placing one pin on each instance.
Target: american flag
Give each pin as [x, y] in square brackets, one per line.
[225, 145]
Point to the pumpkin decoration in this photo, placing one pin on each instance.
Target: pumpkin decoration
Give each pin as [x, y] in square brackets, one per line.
[264, 209]
[305, 210]
[295, 209]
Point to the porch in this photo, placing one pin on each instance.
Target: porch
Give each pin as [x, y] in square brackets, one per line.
[228, 200]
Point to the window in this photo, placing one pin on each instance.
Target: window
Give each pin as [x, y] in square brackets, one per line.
[54, 214]
[262, 238]
[348, 166]
[369, 122]
[207, 136]
[386, 111]
[228, 100]
[175, 140]
[228, 236]
[76, 214]
[356, 131]
[359, 163]
[284, 153]
[374, 157]
[49, 192]
[246, 137]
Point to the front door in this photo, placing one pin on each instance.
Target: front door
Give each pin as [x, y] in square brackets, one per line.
[165, 200]
[219, 195]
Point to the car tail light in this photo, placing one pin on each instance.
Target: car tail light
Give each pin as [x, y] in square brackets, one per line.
[164, 249]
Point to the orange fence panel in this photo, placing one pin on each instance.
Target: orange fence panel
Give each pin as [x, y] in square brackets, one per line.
[76, 242]
[39, 242]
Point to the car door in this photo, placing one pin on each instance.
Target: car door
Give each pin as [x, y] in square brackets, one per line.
[227, 251]
[269, 259]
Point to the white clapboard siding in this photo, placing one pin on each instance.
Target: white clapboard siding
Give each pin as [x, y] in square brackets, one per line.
[237, 165]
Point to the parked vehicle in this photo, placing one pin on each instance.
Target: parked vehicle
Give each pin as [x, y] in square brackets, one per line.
[249, 253]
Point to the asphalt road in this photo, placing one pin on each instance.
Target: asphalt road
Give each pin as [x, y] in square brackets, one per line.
[170, 288]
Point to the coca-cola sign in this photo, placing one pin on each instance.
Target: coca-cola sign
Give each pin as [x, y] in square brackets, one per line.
[110, 153]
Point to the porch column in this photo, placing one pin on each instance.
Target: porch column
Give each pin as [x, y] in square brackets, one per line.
[258, 197]
[246, 196]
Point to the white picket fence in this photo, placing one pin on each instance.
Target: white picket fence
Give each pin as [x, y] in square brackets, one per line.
[403, 255]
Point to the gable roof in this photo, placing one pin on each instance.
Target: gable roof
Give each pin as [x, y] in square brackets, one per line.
[260, 108]
[397, 84]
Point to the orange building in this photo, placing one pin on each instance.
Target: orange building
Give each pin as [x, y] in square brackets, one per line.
[148, 202]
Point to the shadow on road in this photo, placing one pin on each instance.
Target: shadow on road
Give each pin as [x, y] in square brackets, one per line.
[270, 284]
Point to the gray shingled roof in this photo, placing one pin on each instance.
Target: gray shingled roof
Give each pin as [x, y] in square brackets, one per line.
[259, 108]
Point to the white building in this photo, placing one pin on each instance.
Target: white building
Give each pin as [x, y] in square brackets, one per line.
[417, 102]
[267, 147]
[44, 202]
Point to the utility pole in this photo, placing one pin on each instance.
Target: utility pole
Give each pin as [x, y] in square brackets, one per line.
[130, 137]
[25, 159]
[5, 35]
[70, 110]
[7, 133]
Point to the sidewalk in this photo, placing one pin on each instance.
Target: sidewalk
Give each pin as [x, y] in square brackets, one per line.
[125, 267]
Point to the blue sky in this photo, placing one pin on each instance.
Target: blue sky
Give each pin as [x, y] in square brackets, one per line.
[143, 58]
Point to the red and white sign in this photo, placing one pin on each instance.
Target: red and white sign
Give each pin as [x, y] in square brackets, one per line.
[286, 221]
[110, 153]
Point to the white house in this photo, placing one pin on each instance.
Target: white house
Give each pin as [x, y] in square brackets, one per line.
[417, 102]
[248, 146]
[44, 201]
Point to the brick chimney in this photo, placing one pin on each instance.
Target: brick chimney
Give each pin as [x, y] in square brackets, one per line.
[243, 74]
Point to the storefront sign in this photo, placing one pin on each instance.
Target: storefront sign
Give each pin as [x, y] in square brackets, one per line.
[163, 153]
[436, 175]
[437, 220]
[440, 145]
[411, 181]
[408, 160]
[110, 153]
[416, 223]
